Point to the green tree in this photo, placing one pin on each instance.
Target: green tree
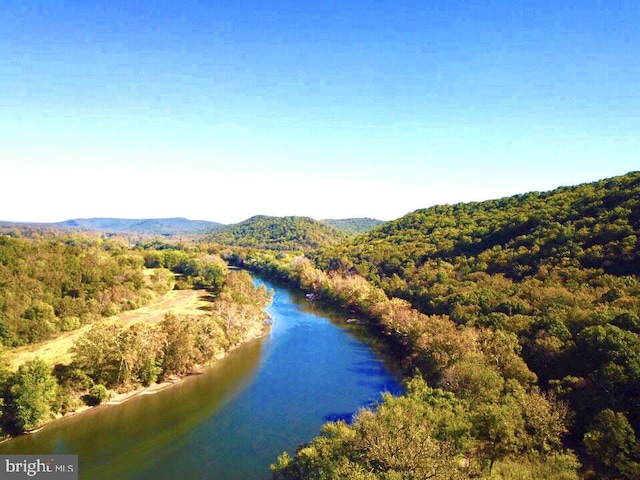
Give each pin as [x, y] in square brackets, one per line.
[179, 352]
[31, 392]
[610, 441]
[97, 353]
[500, 426]
[424, 434]
[97, 394]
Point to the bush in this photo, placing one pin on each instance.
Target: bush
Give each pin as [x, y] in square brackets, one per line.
[97, 394]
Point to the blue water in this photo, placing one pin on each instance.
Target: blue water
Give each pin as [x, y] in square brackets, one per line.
[234, 420]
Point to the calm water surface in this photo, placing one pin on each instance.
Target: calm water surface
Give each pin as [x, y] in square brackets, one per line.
[234, 420]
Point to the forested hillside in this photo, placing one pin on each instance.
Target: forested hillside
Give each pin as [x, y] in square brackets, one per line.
[279, 233]
[353, 225]
[558, 270]
[48, 284]
[590, 226]
[522, 315]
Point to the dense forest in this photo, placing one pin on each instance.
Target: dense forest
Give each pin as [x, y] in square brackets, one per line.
[522, 315]
[353, 225]
[56, 284]
[274, 233]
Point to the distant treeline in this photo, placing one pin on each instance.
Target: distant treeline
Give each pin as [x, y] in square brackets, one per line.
[353, 225]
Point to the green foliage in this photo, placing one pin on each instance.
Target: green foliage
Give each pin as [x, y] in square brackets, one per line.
[97, 353]
[554, 275]
[279, 233]
[508, 419]
[179, 353]
[50, 284]
[239, 307]
[421, 435]
[544, 291]
[121, 355]
[194, 269]
[206, 272]
[31, 392]
[149, 372]
[611, 441]
[429, 433]
[97, 394]
[118, 355]
[161, 256]
[353, 225]
[593, 225]
[558, 466]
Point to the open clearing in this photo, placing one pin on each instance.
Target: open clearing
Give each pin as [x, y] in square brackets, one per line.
[56, 350]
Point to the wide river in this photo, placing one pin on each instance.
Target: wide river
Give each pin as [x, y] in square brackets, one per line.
[232, 421]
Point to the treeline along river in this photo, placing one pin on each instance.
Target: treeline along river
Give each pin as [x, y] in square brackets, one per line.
[232, 421]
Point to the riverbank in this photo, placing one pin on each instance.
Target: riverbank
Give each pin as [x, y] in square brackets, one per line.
[58, 350]
[357, 317]
[255, 333]
[117, 398]
[234, 419]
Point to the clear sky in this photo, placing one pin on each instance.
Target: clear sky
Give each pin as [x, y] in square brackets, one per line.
[219, 110]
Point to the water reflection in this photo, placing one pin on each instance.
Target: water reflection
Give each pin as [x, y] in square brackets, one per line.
[232, 421]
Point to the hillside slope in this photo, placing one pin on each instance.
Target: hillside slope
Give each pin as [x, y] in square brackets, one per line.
[557, 270]
[279, 233]
[353, 225]
[594, 225]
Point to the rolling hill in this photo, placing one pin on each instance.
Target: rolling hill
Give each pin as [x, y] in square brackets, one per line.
[594, 225]
[279, 233]
[558, 272]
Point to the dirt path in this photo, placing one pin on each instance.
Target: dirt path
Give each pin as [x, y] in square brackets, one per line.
[56, 350]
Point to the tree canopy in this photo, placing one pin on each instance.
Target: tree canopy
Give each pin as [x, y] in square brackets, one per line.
[279, 233]
[536, 293]
[53, 284]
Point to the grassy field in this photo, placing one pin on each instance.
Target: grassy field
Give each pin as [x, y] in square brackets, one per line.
[56, 350]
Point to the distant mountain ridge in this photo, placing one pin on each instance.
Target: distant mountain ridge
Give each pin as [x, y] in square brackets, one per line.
[148, 226]
[321, 232]
[158, 226]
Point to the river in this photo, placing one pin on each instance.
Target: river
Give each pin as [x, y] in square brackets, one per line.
[233, 420]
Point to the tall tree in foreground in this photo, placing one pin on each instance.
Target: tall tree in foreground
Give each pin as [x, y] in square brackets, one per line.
[31, 391]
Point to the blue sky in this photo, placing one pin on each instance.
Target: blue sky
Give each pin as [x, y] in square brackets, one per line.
[222, 110]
